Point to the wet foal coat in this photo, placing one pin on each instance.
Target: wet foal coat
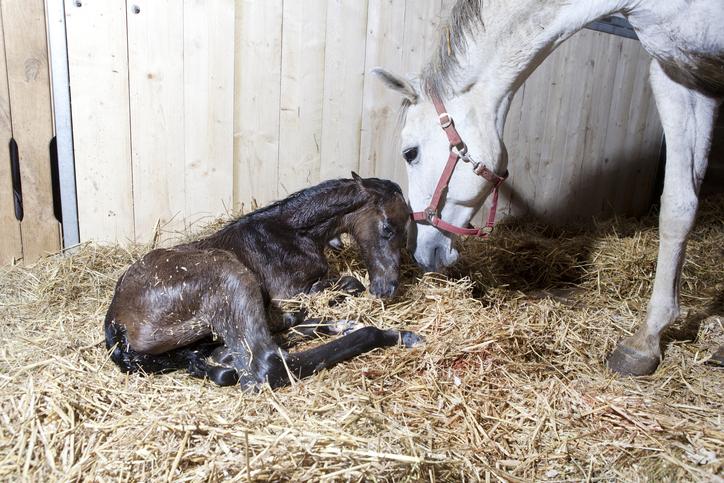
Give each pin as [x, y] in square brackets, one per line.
[209, 306]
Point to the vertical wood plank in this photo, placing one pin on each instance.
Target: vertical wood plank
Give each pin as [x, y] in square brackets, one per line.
[421, 37]
[26, 51]
[587, 198]
[208, 107]
[156, 80]
[256, 121]
[643, 139]
[586, 133]
[11, 247]
[385, 39]
[302, 94]
[98, 70]
[344, 67]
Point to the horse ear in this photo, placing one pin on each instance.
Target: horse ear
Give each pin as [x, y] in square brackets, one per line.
[397, 83]
[357, 178]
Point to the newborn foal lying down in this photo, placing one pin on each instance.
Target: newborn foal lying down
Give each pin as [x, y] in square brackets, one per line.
[208, 306]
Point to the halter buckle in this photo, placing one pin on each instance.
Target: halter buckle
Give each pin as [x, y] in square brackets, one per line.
[445, 120]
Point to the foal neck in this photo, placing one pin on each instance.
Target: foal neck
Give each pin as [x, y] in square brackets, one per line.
[320, 212]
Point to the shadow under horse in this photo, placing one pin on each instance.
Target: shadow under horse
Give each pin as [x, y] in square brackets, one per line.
[210, 307]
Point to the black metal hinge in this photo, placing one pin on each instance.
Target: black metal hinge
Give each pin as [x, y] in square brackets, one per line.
[15, 177]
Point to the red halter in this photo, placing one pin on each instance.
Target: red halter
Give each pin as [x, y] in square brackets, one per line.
[458, 150]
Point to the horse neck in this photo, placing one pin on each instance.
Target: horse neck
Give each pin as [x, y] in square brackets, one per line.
[515, 37]
[320, 212]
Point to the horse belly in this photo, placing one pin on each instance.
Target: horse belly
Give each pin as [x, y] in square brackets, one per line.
[687, 38]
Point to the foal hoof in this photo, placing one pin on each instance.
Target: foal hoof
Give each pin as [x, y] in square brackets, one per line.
[410, 339]
[223, 376]
[351, 285]
[718, 358]
[336, 244]
[630, 362]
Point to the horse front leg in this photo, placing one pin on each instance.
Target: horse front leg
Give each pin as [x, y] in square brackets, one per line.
[687, 118]
[306, 363]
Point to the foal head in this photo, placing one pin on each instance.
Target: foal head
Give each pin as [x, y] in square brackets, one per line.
[380, 229]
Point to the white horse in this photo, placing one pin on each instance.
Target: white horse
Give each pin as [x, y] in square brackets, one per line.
[490, 48]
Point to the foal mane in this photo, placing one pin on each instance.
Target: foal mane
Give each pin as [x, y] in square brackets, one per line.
[318, 204]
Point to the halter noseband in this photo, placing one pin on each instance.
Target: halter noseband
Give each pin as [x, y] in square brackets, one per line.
[458, 150]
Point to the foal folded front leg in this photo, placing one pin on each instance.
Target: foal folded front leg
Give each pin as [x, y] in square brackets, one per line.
[346, 283]
[306, 363]
[310, 329]
[239, 318]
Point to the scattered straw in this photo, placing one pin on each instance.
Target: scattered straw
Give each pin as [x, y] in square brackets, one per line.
[510, 385]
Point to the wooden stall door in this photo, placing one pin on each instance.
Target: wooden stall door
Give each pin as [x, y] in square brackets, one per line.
[26, 129]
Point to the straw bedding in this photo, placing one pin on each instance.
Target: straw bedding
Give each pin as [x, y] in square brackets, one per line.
[510, 385]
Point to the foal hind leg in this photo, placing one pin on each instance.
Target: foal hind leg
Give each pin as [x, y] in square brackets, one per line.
[687, 118]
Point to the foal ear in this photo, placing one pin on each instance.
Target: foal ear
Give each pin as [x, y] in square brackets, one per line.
[397, 83]
[357, 178]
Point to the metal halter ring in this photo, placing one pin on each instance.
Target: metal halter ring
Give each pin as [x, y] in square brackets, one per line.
[430, 214]
[461, 152]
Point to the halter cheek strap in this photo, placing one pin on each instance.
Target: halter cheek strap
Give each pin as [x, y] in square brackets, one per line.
[458, 150]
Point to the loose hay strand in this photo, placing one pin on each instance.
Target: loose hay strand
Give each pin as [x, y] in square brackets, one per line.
[510, 385]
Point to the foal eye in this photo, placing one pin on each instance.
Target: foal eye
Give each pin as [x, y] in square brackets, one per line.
[410, 154]
[387, 231]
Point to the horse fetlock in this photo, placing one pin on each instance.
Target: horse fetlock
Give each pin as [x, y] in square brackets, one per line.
[638, 355]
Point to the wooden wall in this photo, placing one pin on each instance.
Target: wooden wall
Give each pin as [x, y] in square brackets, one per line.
[26, 119]
[152, 103]
[187, 108]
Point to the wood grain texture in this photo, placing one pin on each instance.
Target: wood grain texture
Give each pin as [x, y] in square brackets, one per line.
[11, 246]
[98, 73]
[583, 134]
[208, 104]
[256, 122]
[344, 68]
[156, 89]
[26, 53]
[385, 39]
[302, 94]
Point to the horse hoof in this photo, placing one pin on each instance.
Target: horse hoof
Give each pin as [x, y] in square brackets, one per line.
[410, 339]
[630, 362]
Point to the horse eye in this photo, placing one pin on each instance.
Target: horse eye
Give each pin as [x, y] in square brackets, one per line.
[387, 231]
[410, 154]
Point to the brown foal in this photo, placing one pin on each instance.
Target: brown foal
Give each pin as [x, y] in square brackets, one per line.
[210, 307]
